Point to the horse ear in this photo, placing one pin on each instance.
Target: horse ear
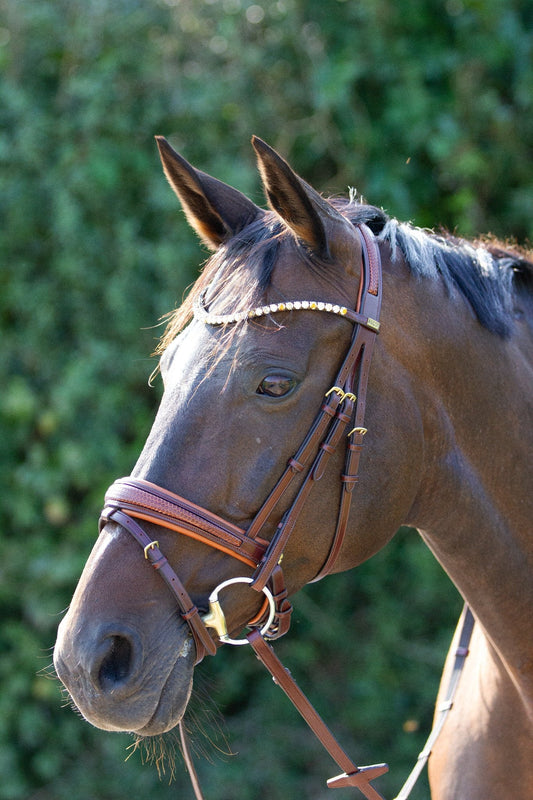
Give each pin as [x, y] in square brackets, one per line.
[306, 212]
[215, 210]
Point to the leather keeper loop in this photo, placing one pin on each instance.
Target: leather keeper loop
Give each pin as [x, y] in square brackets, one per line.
[355, 447]
[328, 448]
[349, 482]
[329, 410]
[349, 478]
[295, 465]
[187, 615]
[158, 563]
[344, 417]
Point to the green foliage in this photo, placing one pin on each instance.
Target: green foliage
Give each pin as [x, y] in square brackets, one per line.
[426, 108]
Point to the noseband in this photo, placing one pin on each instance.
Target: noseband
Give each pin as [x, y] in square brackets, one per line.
[343, 409]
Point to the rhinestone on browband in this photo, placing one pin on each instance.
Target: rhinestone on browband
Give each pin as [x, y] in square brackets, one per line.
[201, 313]
[273, 308]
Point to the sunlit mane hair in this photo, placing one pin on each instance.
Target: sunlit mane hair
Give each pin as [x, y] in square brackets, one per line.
[486, 272]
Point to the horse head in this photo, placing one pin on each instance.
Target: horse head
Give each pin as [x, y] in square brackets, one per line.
[266, 396]
[246, 367]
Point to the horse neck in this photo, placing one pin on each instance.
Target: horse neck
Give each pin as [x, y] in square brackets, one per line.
[473, 506]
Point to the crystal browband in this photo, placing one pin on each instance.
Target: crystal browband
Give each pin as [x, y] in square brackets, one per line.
[201, 313]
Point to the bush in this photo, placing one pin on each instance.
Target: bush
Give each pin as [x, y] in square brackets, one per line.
[426, 108]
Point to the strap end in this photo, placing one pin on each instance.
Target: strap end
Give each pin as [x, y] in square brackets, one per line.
[361, 780]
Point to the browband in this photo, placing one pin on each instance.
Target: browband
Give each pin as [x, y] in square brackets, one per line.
[201, 313]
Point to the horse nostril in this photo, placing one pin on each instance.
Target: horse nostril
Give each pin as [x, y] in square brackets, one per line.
[115, 666]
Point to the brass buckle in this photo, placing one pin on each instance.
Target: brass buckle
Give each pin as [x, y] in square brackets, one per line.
[150, 546]
[337, 390]
[362, 431]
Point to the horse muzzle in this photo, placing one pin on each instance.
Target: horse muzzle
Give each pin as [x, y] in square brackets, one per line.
[112, 677]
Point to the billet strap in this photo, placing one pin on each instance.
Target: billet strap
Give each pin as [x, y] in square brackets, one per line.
[444, 707]
[353, 775]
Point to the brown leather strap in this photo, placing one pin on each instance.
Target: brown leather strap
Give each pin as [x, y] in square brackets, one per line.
[145, 500]
[286, 526]
[297, 463]
[359, 777]
[366, 318]
[190, 613]
[189, 763]
[369, 305]
[282, 618]
[467, 626]
[356, 364]
[134, 497]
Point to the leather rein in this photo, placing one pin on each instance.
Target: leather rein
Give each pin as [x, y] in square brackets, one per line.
[130, 501]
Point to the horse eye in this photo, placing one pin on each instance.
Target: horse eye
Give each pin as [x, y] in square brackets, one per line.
[276, 385]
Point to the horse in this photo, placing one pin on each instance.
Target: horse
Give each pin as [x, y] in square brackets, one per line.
[326, 352]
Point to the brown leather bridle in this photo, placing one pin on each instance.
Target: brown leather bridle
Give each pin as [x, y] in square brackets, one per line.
[132, 499]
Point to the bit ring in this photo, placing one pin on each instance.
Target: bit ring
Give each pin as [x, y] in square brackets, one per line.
[215, 617]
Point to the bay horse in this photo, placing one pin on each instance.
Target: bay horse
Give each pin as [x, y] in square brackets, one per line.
[268, 393]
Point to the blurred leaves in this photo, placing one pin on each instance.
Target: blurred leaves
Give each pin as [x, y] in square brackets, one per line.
[425, 107]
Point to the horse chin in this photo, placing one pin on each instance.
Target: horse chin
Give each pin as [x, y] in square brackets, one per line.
[173, 699]
[170, 707]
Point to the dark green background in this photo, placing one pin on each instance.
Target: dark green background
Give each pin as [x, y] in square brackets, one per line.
[426, 108]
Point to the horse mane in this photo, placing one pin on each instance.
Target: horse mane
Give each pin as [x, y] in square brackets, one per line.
[488, 273]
